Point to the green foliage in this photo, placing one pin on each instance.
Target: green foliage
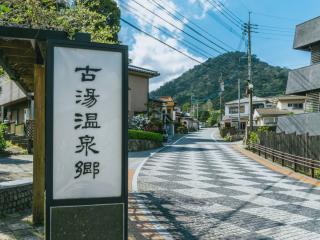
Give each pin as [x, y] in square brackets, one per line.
[203, 80]
[139, 134]
[203, 116]
[1, 71]
[263, 129]
[186, 107]
[100, 18]
[3, 144]
[214, 118]
[253, 138]
[228, 138]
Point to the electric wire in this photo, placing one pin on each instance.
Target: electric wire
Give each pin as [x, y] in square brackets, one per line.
[171, 24]
[197, 25]
[189, 27]
[188, 44]
[148, 34]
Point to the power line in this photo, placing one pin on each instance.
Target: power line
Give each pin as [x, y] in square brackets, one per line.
[191, 28]
[165, 31]
[274, 27]
[225, 25]
[171, 24]
[277, 17]
[198, 26]
[173, 48]
[235, 17]
[216, 6]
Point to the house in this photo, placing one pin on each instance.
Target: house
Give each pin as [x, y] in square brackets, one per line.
[305, 81]
[17, 105]
[163, 108]
[230, 118]
[268, 116]
[293, 103]
[138, 95]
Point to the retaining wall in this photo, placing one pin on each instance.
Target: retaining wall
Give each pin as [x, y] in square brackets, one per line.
[15, 196]
[135, 145]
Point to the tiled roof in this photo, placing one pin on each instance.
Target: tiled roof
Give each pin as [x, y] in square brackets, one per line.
[290, 97]
[246, 100]
[148, 72]
[271, 112]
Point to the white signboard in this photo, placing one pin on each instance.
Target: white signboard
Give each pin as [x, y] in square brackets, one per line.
[87, 123]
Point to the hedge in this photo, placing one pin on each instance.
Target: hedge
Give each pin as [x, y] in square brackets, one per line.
[140, 134]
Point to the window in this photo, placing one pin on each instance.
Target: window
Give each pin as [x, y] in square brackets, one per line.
[234, 110]
[258, 105]
[289, 104]
[298, 106]
[0, 90]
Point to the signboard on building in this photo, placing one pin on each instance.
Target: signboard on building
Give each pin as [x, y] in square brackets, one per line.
[86, 140]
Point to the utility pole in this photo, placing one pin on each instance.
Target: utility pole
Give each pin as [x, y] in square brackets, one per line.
[221, 91]
[191, 106]
[247, 28]
[197, 110]
[239, 95]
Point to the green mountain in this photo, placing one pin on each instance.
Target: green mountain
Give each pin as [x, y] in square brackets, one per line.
[202, 81]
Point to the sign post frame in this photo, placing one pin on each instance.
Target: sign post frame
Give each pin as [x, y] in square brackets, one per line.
[49, 111]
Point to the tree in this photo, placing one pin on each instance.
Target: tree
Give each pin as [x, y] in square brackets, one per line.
[208, 105]
[204, 115]
[109, 9]
[186, 107]
[214, 118]
[83, 16]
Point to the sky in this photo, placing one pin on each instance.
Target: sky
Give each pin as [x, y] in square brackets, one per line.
[199, 29]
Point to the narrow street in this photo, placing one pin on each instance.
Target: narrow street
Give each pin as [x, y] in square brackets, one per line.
[201, 188]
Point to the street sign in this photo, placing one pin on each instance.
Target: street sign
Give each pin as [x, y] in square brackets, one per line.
[86, 140]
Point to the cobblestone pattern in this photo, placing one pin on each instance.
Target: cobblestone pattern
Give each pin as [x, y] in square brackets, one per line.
[204, 189]
[15, 198]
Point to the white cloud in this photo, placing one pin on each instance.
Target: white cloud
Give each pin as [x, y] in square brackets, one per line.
[205, 7]
[149, 53]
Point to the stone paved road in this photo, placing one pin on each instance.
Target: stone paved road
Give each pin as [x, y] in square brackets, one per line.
[204, 189]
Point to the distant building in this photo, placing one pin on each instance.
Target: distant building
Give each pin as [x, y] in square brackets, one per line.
[305, 82]
[14, 103]
[163, 108]
[292, 103]
[268, 116]
[230, 118]
[138, 95]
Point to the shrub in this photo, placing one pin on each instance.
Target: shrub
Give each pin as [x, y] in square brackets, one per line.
[228, 138]
[253, 138]
[139, 134]
[2, 140]
[138, 122]
[154, 125]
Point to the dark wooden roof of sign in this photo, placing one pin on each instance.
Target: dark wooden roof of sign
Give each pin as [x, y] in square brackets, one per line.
[21, 48]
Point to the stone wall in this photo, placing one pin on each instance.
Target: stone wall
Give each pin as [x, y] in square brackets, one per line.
[142, 145]
[15, 196]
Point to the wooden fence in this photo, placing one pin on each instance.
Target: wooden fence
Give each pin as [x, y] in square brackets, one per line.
[298, 152]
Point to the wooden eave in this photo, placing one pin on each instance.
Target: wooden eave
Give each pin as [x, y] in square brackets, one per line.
[20, 49]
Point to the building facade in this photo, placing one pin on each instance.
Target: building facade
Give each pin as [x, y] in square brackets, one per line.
[15, 105]
[305, 82]
[292, 103]
[231, 116]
